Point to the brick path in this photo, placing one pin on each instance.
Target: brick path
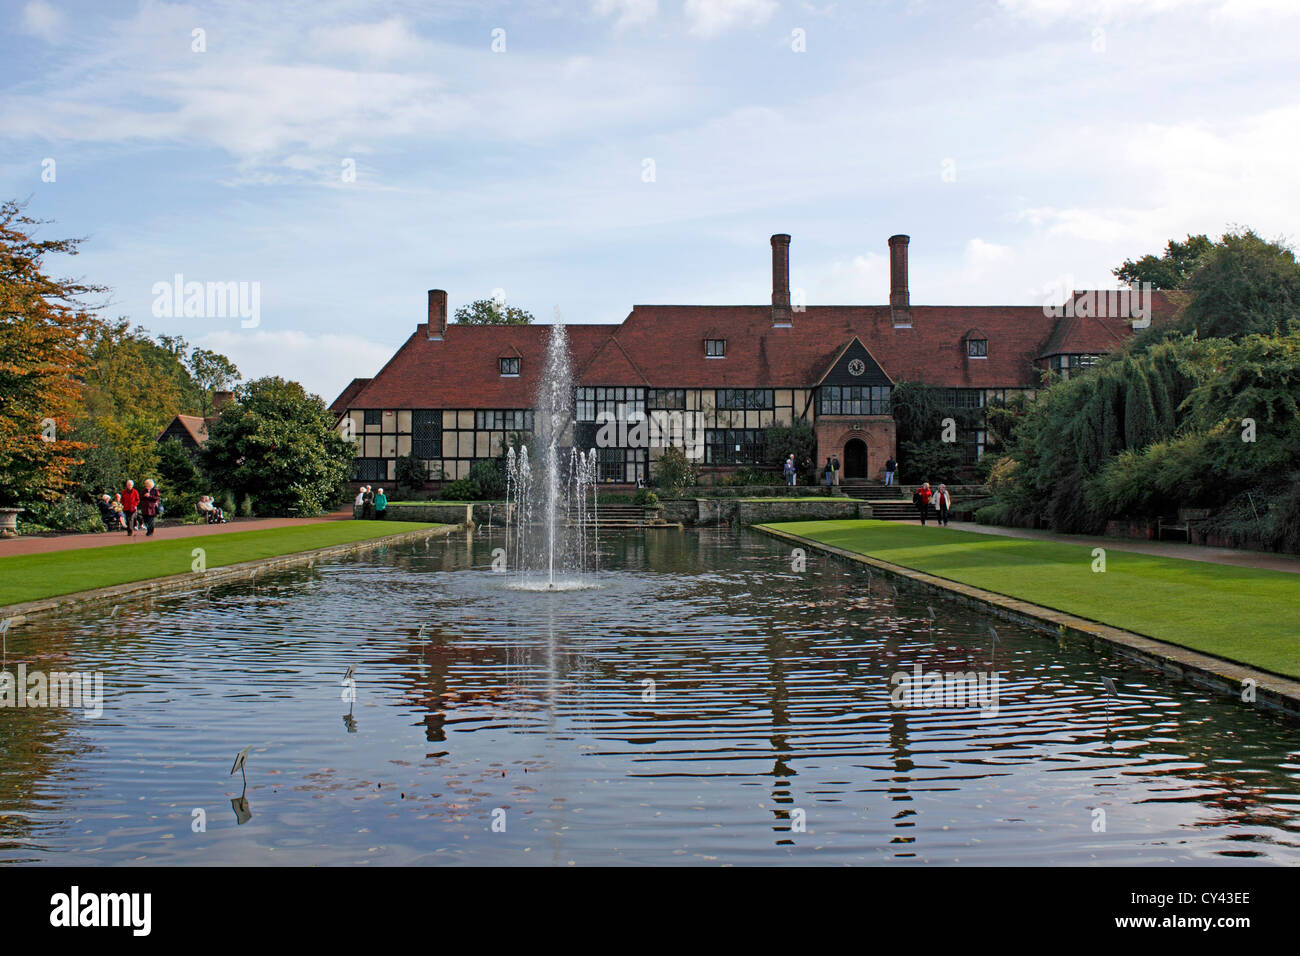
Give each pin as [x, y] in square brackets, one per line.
[71, 542]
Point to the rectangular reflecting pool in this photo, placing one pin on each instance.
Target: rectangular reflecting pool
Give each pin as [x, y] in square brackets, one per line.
[700, 700]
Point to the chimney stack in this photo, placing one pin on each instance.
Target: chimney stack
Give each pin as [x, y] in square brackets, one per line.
[437, 314]
[900, 306]
[782, 317]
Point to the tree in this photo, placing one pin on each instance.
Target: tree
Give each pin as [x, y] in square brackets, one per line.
[1139, 409]
[411, 473]
[43, 322]
[798, 439]
[673, 471]
[1242, 286]
[212, 372]
[277, 443]
[490, 312]
[1169, 271]
[180, 484]
[132, 388]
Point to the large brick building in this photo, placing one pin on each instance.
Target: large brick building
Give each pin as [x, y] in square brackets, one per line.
[453, 392]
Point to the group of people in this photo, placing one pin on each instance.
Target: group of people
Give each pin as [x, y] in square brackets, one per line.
[924, 497]
[373, 504]
[210, 511]
[131, 510]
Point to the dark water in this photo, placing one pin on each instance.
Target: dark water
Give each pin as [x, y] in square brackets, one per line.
[770, 737]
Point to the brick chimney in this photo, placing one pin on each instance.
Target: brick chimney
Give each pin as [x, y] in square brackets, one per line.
[437, 314]
[782, 317]
[220, 399]
[900, 305]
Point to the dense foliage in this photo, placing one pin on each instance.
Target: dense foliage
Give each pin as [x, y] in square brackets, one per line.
[489, 312]
[923, 455]
[673, 471]
[1181, 418]
[276, 444]
[782, 441]
[43, 325]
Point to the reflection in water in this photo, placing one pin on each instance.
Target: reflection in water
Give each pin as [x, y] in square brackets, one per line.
[770, 735]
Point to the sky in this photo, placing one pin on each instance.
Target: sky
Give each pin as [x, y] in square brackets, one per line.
[583, 156]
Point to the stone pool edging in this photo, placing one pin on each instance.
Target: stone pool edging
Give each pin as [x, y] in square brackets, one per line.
[1218, 674]
[195, 580]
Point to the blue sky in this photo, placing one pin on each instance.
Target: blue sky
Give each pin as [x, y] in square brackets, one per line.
[1025, 145]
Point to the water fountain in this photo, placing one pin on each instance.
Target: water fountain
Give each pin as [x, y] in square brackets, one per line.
[550, 530]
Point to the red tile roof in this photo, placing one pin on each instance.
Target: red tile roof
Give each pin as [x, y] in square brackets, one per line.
[344, 401]
[663, 346]
[194, 425]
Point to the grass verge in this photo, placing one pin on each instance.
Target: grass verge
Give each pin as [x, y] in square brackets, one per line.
[1247, 615]
[31, 577]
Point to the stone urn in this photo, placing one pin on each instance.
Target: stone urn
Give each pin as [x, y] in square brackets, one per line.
[9, 522]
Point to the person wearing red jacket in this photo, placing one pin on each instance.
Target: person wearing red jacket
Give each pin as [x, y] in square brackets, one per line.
[149, 506]
[130, 502]
[921, 498]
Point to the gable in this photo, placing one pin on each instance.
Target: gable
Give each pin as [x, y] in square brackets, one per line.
[855, 358]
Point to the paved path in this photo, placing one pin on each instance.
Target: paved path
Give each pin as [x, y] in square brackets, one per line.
[1166, 549]
[72, 542]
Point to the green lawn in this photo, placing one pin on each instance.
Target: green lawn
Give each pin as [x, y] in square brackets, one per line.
[1243, 614]
[35, 576]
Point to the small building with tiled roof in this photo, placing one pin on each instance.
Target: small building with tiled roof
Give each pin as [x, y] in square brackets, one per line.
[190, 430]
[452, 393]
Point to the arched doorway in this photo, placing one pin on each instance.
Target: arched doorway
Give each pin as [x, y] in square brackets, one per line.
[855, 458]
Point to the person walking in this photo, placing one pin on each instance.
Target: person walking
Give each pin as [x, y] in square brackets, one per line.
[835, 469]
[891, 466]
[150, 503]
[789, 471]
[921, 498]
[130, 503]
[829, 473]
[359, 503]
[943, 504]
[381, 503]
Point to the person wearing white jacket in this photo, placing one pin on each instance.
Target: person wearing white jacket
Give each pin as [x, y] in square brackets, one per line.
[943, 503]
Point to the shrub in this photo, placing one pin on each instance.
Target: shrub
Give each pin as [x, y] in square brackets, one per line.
[674, 471]
[68, 513]
[488, 477]
[646, 497]
[411, 473]
[462, 489]
[759, 476]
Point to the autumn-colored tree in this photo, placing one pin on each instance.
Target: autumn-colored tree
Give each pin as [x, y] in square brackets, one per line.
[44, 323]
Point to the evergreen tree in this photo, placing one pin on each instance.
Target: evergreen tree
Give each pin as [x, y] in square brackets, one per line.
[1139, 411]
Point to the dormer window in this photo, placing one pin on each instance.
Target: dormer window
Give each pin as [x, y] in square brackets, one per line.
[509, 366]
[715, 348]
[977, 348]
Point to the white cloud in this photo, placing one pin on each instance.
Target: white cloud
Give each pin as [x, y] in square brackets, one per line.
[43, 20]
[323, 364]
[376, 42]
[630, 12]
[1099, 11]
[980, 255]
[709, 18]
